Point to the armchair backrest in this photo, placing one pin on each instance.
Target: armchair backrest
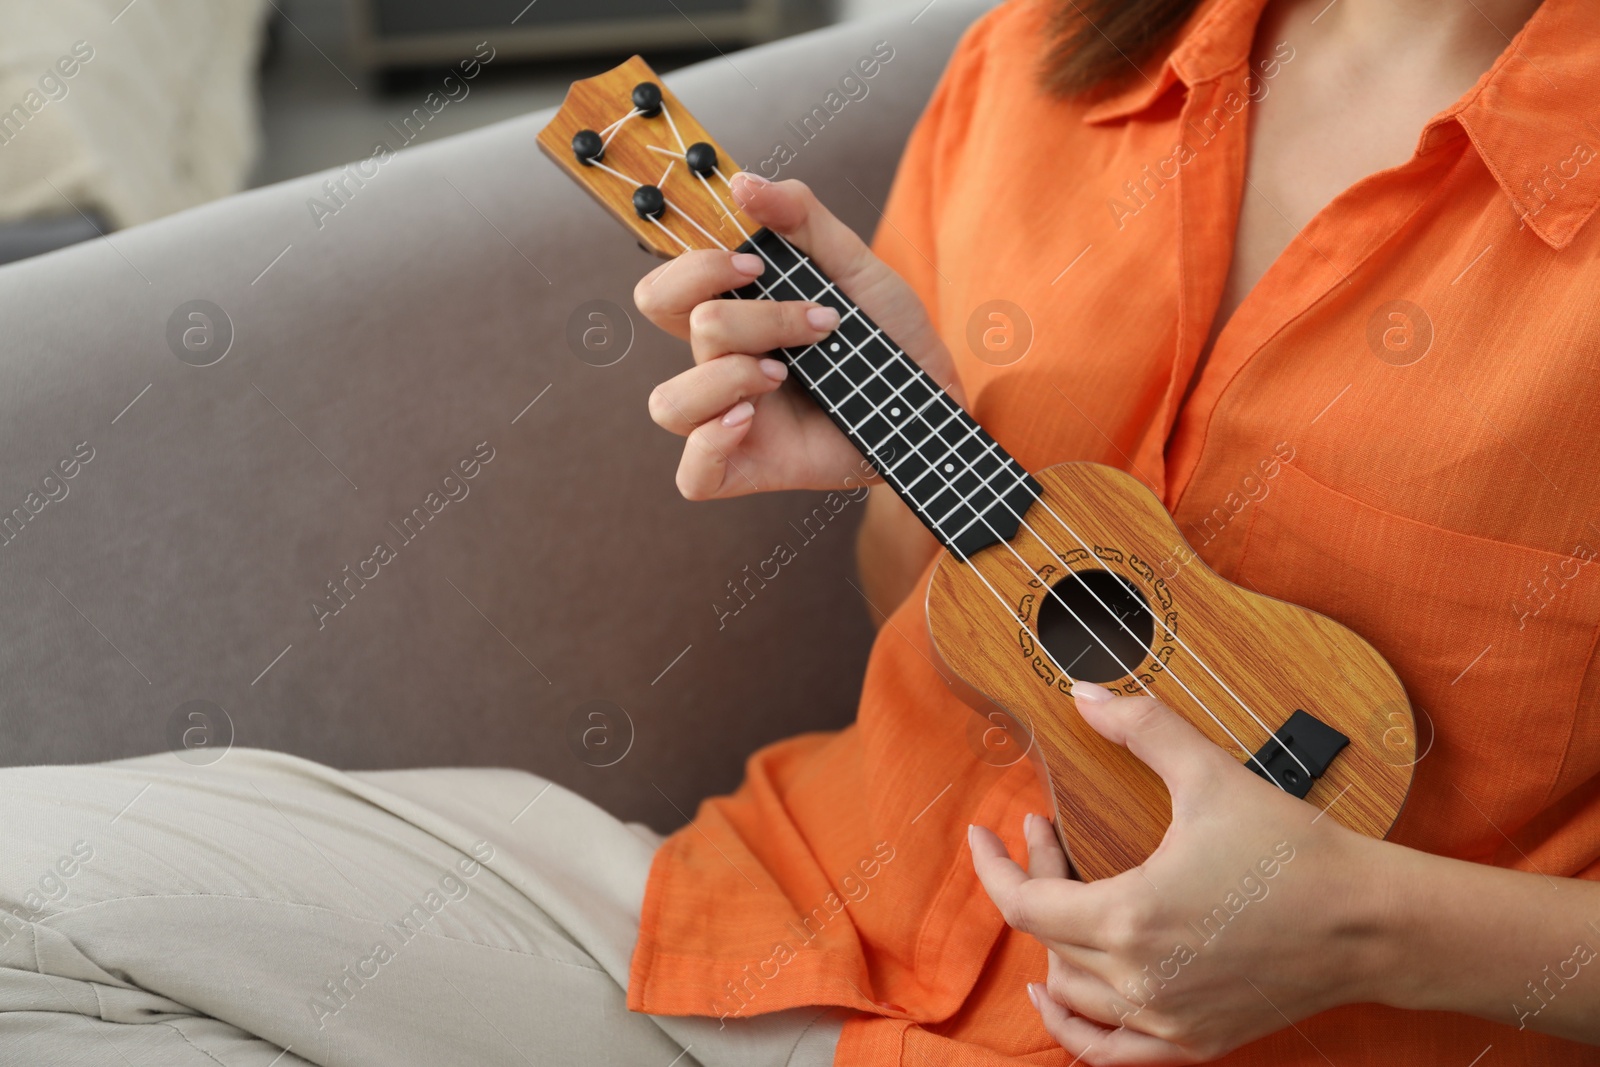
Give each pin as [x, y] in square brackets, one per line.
[325, 456]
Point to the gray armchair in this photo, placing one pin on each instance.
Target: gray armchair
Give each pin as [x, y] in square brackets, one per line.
[209, 424]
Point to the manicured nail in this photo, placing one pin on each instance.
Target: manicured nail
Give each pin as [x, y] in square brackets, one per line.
[745, 185]
[775, 369]
[749, 264]
[1027, 825]
[1033, 995]
[1089, 691]
[972, 834]
[822, 317]
[739, 414]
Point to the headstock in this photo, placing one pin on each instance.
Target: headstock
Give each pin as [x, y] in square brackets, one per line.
[659, 173]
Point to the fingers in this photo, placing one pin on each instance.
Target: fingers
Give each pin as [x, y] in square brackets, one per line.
[1159, 736]
[682, 298]
[718, 327]
[1049, 908]
[1102, 1046]
[790, 208]
[706, 469]
[1087, 994]
[669, 293]
[1045, 857]
[710, 391]
[1002, 879]
[1072, 1032]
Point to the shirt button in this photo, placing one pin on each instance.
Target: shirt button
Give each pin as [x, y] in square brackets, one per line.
[890, 1006]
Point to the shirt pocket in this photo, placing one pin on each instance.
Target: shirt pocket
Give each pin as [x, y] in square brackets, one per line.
[1491, 640]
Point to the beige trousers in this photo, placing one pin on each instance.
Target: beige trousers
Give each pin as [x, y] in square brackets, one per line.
[266, 911]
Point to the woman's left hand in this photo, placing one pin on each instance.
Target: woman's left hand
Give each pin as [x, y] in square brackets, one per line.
[1253, 913]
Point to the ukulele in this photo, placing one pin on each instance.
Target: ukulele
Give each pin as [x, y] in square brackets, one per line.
[1046, 576]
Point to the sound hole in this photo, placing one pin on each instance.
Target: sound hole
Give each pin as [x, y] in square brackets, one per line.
[1098, 645]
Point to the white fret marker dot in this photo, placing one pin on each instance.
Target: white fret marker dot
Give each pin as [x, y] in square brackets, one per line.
[834, 347]
[948, 467]
[895, 412]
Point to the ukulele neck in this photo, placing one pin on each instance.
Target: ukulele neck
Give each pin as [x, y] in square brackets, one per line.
[957, 479]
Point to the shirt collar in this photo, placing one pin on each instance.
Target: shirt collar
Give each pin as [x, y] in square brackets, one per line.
[1216, 38]
[1526, 117]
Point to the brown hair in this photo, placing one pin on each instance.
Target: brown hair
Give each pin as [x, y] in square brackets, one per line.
[1097, 45]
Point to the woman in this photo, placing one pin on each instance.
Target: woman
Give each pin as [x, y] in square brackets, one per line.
[1240, 252]
[1363, 401]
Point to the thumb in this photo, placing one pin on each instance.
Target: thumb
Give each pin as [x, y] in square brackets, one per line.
[1159, 736]
[792, 209]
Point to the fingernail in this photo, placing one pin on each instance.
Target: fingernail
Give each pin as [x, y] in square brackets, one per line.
[1089, 691]
[775, 369]
[972, 834]
[822, 318]
[749, 264]
[1033, 995]
[1027, 826]
[739, 414]
[745, 185]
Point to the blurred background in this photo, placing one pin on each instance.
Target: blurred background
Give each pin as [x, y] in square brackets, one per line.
[116, 112]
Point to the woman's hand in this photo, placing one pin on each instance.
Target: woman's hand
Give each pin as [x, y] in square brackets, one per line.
[1253, 913]
[745, 433]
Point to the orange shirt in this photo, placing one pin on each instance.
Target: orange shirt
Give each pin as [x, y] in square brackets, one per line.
[1397, 429]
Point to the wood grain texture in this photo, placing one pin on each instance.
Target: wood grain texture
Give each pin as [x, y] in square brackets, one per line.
[1217, 646]
[594, 104]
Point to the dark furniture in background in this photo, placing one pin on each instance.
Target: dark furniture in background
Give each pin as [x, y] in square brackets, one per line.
[397, 33]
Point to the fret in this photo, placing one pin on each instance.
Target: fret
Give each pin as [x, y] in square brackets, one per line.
[916, 413]
[959, 481]
[841, 387]
[957, 484]
[855, 329]
[897, 402]
[810, 362]
[864, 377]
[865, 420]
[979, 488]
[1022, 482]
[961, 490]
[935, 456]
[851, 321]
[877, 391]
[938, 456]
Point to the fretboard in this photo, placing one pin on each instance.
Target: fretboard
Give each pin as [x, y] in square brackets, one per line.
[955, 477]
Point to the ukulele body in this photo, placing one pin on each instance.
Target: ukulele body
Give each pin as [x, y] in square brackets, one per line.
[1212, 645]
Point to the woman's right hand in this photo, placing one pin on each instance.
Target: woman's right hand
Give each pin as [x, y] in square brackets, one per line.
[745, 433]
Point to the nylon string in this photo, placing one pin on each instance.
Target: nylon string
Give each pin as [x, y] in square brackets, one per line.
[955, 412]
